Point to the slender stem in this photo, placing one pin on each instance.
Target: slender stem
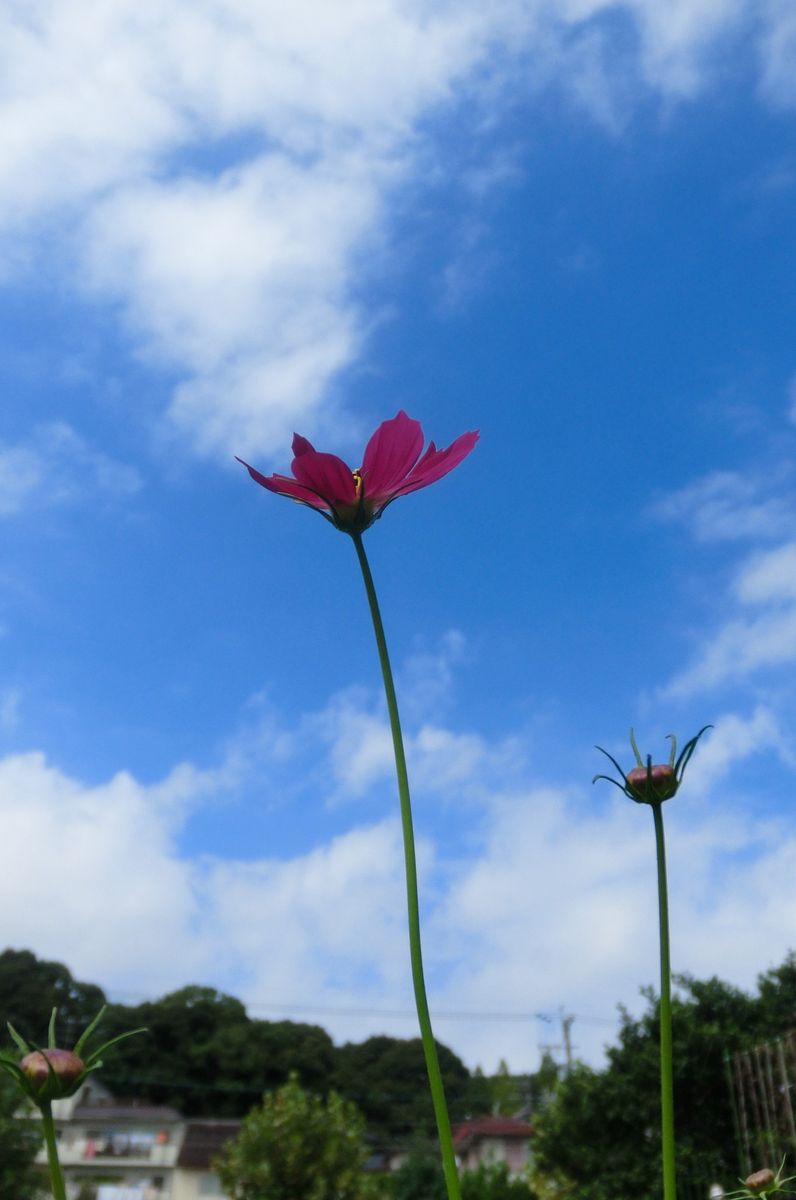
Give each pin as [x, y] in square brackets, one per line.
[418, 981]
[56, 1177]
[667, 1082]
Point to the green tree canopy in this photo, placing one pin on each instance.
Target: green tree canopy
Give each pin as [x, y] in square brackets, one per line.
[19, 1141]
[206, 1057]
[602, 1130]
[296, 1146]
[386, 1078]
[30, 988]
[420, 1177]
[491, 1181]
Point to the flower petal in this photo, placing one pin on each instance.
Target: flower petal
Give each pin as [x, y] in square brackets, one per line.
[326, 475]
[301, 445]
[283, 486]
[436, 463]
[390, 455]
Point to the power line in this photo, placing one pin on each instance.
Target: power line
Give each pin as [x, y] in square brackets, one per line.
[441, 1014]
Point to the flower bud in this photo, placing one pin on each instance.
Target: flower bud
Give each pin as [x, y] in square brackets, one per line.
[651, 784]
[759, 1182]
[49, 1082]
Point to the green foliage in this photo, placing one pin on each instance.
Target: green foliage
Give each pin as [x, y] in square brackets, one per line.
[419, 1177]
[386, 1078]
[505, 1094]
[602, 1132]
[206, 1057]
[491, 1181]
[31, 988]
[203, 1055]
[296, 1146]
[19, 1141]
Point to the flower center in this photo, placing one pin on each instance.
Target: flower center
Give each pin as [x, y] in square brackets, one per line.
[357, 482]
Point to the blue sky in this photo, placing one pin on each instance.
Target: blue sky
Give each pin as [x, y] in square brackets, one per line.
[569, 226]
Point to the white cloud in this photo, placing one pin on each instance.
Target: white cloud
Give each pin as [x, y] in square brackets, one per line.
[355, 733]
[78, 867]
[739, 648]
[244, 280]
[768, 577]
[224, 171]
[553, 903]
[730, 506]
[778, 54]
[733, 739]
[55, 465]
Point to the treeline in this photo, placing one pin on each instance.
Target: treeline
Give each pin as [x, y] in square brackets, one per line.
[600, 1136]
[203, 1055]
[597, 1131]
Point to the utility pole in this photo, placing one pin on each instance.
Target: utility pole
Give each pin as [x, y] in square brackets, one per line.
[566, 1033]
[567, 1020]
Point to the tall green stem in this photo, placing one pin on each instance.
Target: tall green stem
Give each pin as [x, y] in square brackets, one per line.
[667, 1082]
[418, 981]
[56, 1177]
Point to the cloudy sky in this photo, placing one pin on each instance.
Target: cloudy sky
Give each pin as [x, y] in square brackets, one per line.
[568, 225]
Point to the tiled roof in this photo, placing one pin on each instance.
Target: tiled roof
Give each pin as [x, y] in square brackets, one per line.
[203, 1141]
[497, 1127]
[119, 1110]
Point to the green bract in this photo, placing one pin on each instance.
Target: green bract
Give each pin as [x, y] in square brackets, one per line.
[649, 783]
[52, 1073]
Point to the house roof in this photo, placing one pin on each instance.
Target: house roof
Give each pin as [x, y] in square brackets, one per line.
[203, 1141]
[126, 1110]
[490, 1127]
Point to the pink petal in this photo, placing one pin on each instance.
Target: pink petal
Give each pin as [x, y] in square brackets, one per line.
[301, 445]
[327, 476]
[283, 486]
[436, 463]
[390, 455]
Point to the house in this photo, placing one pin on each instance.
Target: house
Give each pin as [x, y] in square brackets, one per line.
[493, 1140]
[202, 1141]
[128, 1150]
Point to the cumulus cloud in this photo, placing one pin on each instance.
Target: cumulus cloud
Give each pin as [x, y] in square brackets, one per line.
[553, 902]
[768, 577]
[739, 648]
[54, 466]
[727, 506]
[225, 172]
[757, 626]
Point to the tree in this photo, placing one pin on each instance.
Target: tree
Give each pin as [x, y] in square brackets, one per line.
[19, 1141]
[31, 988]
[206, 1057]
[386, 1078]
[491, 1181]
[296, 1146]
[601, 1131]
[505, 1094]
[420, 1176]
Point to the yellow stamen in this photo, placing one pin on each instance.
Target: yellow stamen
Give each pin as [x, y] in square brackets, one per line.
[357, 482]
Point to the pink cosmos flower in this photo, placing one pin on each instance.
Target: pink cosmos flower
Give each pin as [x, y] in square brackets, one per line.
[393, 466]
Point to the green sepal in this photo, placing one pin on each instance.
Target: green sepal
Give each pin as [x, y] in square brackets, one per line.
[18, 1040]
[87, 1032]
[91, 1061]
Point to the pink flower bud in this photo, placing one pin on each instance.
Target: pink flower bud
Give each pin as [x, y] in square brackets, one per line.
[651, 784]
[57, 1079]
[760, 1181]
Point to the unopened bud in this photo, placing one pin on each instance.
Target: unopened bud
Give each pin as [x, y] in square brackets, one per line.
[759, 1181]
[52, 1073]
[651, 784]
